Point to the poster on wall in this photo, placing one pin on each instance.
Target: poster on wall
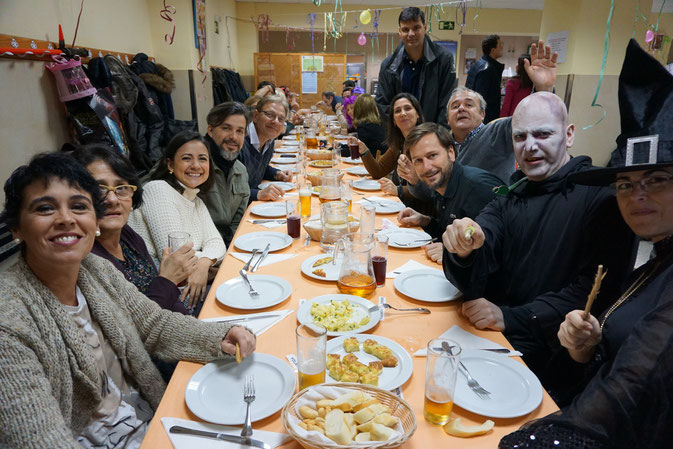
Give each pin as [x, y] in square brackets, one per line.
[309, 83]
[559, 43]
[312, 63]
[452, 47]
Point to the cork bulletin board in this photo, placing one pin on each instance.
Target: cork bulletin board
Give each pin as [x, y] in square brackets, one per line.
[284, 69]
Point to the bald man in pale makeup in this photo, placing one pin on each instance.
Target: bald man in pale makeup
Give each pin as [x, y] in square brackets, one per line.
[532, 253]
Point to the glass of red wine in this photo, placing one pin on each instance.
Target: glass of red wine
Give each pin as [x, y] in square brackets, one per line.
[293, 218]
[354, 145]
[380, 259]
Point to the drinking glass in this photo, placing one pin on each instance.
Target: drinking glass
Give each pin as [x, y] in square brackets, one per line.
[311, 344]
[441, 368]
[367, 218]
[380, 259]
[354, 146]
[347, 193]
[292, 218]
[304, 186]
[178, 239]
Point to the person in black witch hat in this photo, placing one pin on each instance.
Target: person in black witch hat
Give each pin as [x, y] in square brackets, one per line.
[627, 351]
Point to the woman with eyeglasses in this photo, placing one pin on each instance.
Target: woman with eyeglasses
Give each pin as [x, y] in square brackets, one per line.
[170, 204]
[119, 243]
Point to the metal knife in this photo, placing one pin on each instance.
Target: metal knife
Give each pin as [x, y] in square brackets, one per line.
[220, 436]
[262, 257]
[498, 350]
[247, 318]
[277, 220]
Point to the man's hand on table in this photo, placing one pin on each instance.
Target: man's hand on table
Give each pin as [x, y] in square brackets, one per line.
[483, 314]
[388, 187]
[434, 252]
[270, 193]
[245, 339]
[408, 217]
[462, 237]
[284, 175]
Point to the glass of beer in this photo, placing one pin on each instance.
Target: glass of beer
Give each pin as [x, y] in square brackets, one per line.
[311, 354]
[311, 140]
[441, 368]
[305, 189]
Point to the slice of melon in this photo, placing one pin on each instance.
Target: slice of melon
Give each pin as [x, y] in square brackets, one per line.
[455, 428]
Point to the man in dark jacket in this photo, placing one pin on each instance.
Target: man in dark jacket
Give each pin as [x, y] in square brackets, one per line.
[530, 256]
[485, 76]
[418, 67]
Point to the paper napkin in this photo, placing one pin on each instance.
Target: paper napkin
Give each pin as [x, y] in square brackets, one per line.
[467, 340]
[270, 258]
[257, 326]
[269, 224]
[408, 266]
[181, 441]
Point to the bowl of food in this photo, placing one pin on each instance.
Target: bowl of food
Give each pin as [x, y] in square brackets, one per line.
[342, 415]
[322, 163]
[316, 177]
[313, 227]
[319, 155]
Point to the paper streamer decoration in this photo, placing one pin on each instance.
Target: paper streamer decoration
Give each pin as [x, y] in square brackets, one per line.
[365, 17]
[310, 19]
[606, 47]
[463, 12]
[262, 23]
[167, 14]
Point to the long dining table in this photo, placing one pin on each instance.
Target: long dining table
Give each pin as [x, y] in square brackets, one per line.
[411, 331]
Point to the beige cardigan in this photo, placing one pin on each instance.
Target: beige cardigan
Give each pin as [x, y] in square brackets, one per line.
[49, 382]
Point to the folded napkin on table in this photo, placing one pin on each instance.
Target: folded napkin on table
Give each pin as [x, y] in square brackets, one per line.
[290, 194]
[376, 199]
[181, 441]
[268, 260]
[268, 224]
[387, 223]
[258, 327]
[467, 340]
[410, 265]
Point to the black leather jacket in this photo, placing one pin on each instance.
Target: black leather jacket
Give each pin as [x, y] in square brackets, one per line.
[484, 77]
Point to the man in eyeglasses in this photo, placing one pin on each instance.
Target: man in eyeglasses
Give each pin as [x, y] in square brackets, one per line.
[268, 122]
[531, 255]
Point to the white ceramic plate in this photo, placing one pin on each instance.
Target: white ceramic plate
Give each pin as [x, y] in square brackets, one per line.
[515, 390]
[331, 270]
[215, 392]
[367, 184]
[390, 378]
[235, 292]
[358, 170]
[350, 160]
[361, 311]
[248, 242]
[292, 137]
[385, 206]
[286, 186]
[284, 160]
[427, 285]
[288, 149]
[269, 210]
[406, 238]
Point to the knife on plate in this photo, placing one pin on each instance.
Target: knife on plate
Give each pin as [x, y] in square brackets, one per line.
[262, 257]
[220, 436]
[247, 318]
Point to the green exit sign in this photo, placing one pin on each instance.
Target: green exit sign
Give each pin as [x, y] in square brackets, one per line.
[447, 25]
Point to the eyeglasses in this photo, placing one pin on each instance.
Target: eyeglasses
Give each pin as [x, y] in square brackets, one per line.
[122, 192]
[271, 116]
[650, 184]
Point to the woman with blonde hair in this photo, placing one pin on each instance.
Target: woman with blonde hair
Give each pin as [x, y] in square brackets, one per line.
[367, 123]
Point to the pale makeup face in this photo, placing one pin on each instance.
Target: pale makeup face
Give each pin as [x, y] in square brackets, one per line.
[648, 214]
[229, 135]
[190, 165]
[432, 162]
[58, 223]
[404, 115]
[269, 122]
[464, 113]
[412, 34]
[540, 140]
[117, 210]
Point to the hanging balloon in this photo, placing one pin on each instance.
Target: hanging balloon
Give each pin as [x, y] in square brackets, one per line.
[362, 39]
[649, 36]
[365, 17]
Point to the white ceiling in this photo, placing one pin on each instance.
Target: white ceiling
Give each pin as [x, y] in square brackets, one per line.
[501, 4]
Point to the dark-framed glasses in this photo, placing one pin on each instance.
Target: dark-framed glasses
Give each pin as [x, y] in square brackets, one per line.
[122, 192]
[649, 184]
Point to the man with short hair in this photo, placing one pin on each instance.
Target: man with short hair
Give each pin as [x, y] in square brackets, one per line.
[268, 122]
[228, 198]
[485, 76]
[419, 67]
[330, 100]
[458, 191]
[531, 255]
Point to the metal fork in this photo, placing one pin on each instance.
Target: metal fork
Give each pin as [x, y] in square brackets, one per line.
[413, 242]
[385, 305]
[474, 385]
[243, 272]
[248, 397]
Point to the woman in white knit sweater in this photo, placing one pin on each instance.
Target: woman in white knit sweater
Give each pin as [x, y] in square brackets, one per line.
[170, 205]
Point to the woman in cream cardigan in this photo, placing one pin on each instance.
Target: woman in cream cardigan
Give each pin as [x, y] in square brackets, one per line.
[76, 337]
[170, 205]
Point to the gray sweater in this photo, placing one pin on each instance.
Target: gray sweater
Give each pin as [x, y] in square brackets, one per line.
[49, 382]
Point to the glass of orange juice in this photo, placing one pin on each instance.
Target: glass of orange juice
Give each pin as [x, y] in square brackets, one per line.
[311, 354]
[441, 368]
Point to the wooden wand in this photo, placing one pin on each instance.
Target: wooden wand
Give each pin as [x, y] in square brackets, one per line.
[594, 291]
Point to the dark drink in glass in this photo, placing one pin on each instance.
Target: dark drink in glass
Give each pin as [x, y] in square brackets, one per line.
[355, 151]
[380, 263]
[293, 226]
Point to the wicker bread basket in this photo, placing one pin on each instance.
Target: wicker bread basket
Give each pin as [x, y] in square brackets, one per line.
[316, 177]
[314, 227]
[319, 155]
[399, 408]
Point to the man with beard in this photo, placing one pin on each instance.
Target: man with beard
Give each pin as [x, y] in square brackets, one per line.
[228, 198]
[457, 191]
